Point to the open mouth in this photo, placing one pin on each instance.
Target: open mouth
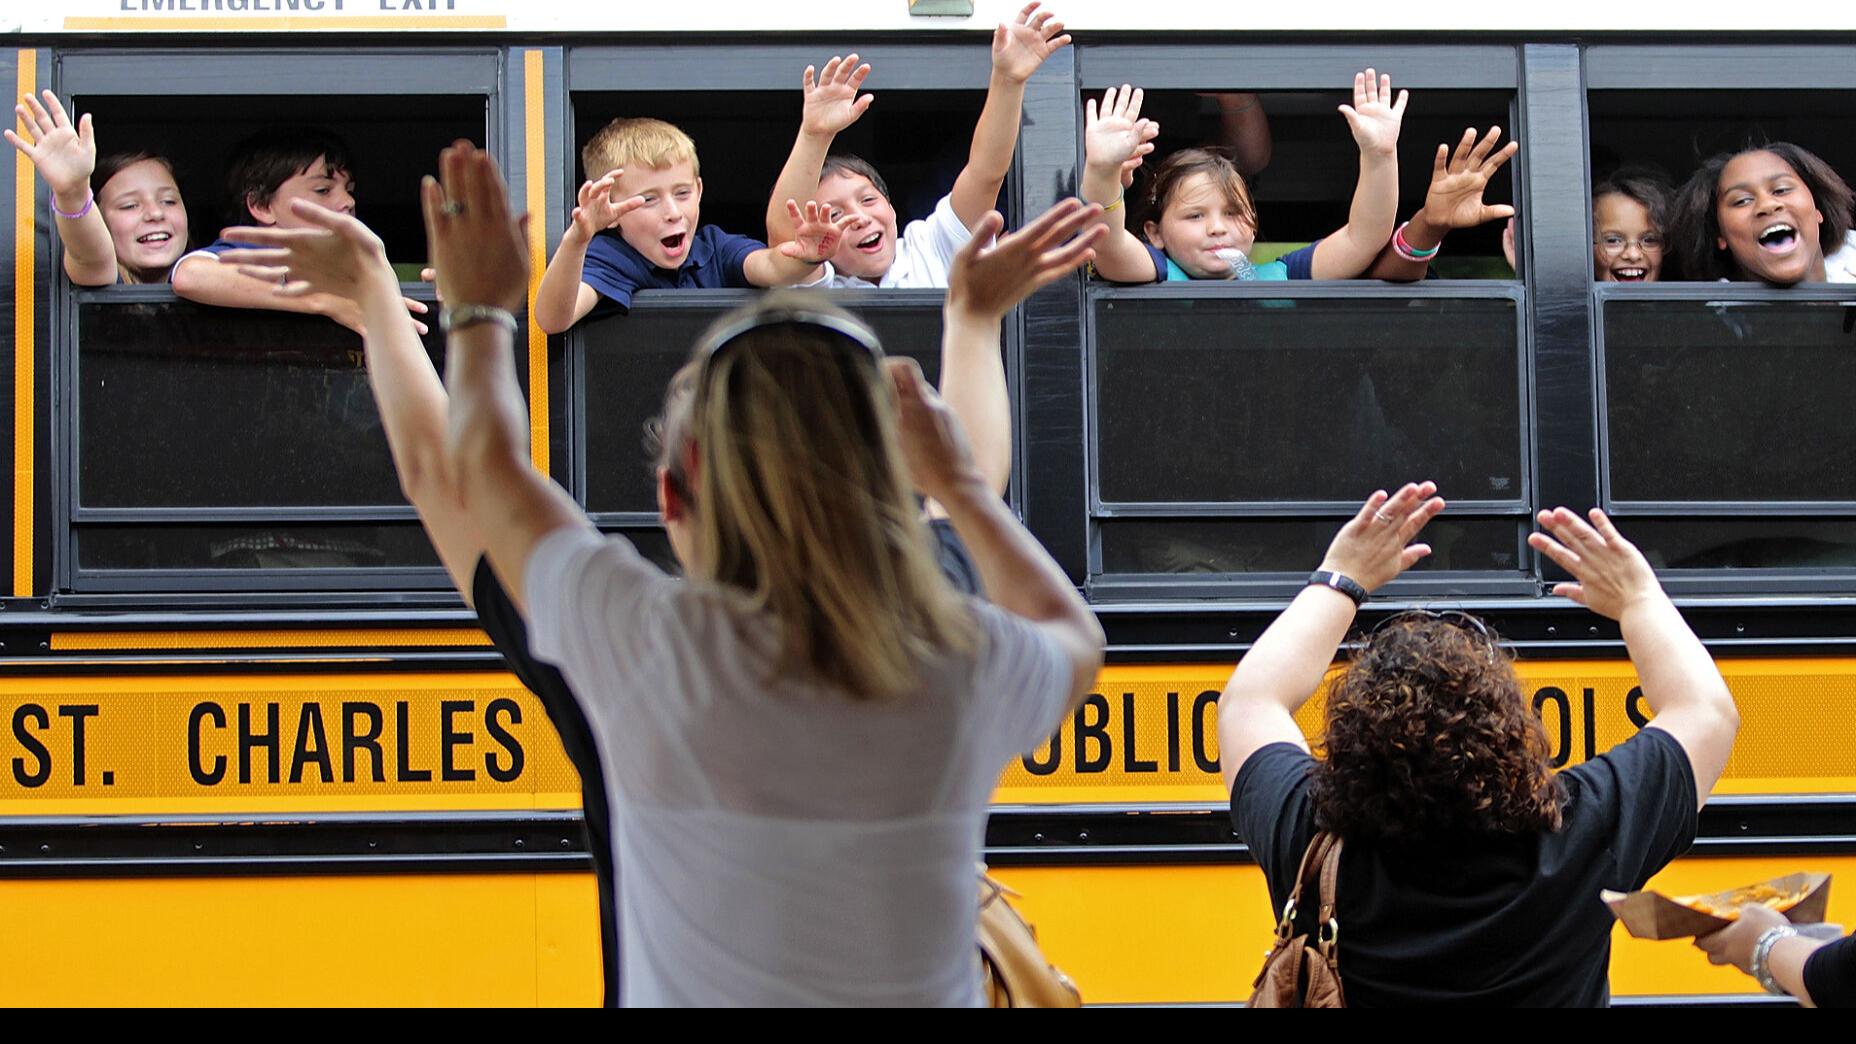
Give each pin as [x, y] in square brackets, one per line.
[1778, 238]
[154, 238]
[870, 243]
[1630, 275]
[673, 245]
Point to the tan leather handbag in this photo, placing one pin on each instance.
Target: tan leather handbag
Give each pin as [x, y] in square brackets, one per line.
[1300, 973]
[1014, 973]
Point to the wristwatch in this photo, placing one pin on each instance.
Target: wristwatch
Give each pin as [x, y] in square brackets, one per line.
[1344, 584]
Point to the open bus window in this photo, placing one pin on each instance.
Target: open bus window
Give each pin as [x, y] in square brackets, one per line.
[1738, 407]
[630, 359]
[1305, 190]
[917, 139]
[1247, 400]
[393, 139]
[1673, 131]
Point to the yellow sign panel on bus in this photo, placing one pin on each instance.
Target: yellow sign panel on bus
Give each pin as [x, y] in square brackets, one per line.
[226, 743]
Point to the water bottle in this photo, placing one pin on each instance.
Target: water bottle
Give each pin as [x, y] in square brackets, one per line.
[1241, 268]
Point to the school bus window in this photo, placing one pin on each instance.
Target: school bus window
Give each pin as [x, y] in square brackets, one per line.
[629, 361]
[1747, 543]
[1729, 401]
[186, 406]
[1359, 392]
[1300, 163]
[918, 141]
[391, 140]
[353, 546]
[1230, 546]
[1662, 136]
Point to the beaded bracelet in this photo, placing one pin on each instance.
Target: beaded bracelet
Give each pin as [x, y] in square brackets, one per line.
[1410, 253]
[90, 200]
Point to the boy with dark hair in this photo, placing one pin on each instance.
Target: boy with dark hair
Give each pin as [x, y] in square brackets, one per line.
[269, 170]
[919, 255]
[639, 227]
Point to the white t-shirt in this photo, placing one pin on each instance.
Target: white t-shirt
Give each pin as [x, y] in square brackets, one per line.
[778, 843]
[1840, 267]
[924, 254]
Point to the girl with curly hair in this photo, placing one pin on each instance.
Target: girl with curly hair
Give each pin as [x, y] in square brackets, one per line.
[1773, 213]
[1469, 871]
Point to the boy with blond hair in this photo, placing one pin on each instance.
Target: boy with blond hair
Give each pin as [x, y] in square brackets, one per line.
[638, 226]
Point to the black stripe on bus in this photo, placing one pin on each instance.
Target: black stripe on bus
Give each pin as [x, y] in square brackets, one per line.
[538, 842]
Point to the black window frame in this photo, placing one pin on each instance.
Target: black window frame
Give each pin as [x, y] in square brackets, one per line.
[1159, 64]
[482, 70]
[957, 62]
[1775, 65]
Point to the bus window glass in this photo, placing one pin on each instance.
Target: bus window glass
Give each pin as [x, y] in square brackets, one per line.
[1730, 401]
[630, 360]
[1227, 399]
[1747, 543]
[351, 546]
[1278, 545]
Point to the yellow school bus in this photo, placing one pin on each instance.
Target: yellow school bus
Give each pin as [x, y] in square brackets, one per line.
[254, 751]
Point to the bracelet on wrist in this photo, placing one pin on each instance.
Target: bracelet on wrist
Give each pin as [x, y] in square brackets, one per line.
[1119, 198]
[1762, 958]
[1404, 249]
[1344, 584]
[90, 200]
[451, 320]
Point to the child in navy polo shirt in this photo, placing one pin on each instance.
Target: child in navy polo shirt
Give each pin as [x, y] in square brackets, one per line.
[268, 171]
[652, 196]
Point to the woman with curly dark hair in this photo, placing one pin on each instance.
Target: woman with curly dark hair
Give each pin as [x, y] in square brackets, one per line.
[1469, 871]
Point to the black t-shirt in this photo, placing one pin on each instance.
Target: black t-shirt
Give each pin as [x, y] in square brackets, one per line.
[509, 632]
[1830, 974]
[1512, 921]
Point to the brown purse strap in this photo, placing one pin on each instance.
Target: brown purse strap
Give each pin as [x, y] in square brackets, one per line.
[1315, 859]
[1328, 931]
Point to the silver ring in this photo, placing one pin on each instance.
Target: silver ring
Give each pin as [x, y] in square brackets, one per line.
[451, 208]
[1380, 516]
[283, 280]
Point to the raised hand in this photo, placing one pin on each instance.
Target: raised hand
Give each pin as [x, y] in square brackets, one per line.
[1375, 546]
[1115, 134]
[65, 155]
[815, 235]
[1612, 574]
[479, 250]
[1459, 177]
[1020, 46]
[595, 210]
[1374, 117]
[934, 446]
[988, 278]
[831, 100]
[336, 256]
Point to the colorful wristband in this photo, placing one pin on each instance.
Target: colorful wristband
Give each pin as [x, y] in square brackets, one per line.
[1404, 249]
[1119, 196]
[90, 200]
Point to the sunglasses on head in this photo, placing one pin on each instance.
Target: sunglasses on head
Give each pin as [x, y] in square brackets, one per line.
[1454, 617]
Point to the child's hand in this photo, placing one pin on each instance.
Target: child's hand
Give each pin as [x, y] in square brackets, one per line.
[832, 103]
[596, 210]
[480, 252]
[334, 256]
[1115, 135]
[988, 278]
[1020, 47]
[1458, 180]
[1373, 116]
[815, 235]
[65, 156]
